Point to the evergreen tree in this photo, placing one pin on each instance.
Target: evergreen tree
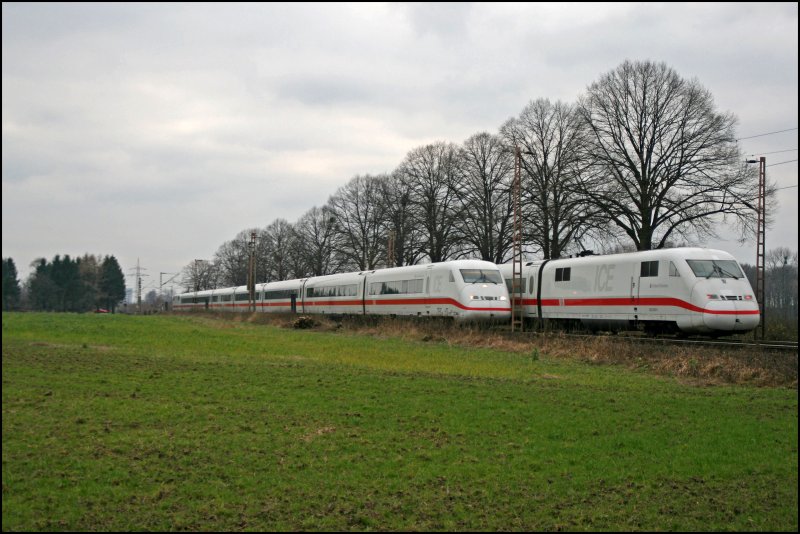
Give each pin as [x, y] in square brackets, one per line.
[42, 290]
[112, 283]
[11, 291]
[89, 269]
[64, 273]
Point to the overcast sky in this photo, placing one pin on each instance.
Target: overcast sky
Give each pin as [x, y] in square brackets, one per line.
[159, 132]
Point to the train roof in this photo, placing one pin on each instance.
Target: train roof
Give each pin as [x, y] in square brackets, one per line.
[691, 253]
[344, 277]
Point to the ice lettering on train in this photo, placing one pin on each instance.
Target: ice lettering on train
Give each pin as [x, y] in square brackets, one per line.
[603, 277]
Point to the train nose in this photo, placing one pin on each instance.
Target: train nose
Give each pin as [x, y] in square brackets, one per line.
[486, 303]
[730, 312]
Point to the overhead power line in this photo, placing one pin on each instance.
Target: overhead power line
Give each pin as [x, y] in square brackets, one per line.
[781, 163]
[776, 152]
[768, 133]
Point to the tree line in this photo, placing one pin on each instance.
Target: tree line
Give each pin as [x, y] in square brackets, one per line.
[64, 284]
[780, 291]
[642, 160]
[89, 283]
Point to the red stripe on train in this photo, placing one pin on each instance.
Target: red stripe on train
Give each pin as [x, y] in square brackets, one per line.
[398, 302]
[646, 301]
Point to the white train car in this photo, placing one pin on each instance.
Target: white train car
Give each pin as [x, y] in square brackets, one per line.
[465, 290]
[223, 299]
[240, 299]
[691, 290]
[277, 297]
[334, 294]
[193, 300]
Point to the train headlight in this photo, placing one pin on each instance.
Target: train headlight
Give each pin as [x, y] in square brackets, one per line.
[474, 297]
[712, 296]
[503, 297]
[748, 297]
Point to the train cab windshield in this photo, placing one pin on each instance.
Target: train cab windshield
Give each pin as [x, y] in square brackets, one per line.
[481, 276]
[715, 268]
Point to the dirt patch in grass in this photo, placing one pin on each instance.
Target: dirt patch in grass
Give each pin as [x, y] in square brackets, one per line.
[319, 432]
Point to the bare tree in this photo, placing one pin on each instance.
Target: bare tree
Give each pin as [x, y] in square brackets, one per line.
[396, 194]
[316, 238]
[232, 259]
[781, 283]
[358, 208]
[665, 162]
[199, 275]
[278, 238]
[485, 195]
[433, 173]
[551, 141]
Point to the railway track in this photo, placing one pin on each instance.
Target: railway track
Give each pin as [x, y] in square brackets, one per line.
[779, 346]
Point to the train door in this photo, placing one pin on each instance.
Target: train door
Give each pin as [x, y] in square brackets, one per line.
[364, 296]
[528, 305]
[428, 283]
[635, 279]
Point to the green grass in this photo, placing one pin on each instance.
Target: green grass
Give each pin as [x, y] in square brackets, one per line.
[191, 423]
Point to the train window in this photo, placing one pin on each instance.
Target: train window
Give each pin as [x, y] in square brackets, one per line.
[242, 296]
[715, 268]
[510, 282]
[481, 276]
[396, 287]
[563, 274]
[279, 294]
[649, 268]
[673, 271]
[225, 298]
[215, 299]
[349, 290]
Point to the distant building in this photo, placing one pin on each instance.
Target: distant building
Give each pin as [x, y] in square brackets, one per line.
[129, 296]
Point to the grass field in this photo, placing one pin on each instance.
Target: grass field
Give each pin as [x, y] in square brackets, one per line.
[115, 422]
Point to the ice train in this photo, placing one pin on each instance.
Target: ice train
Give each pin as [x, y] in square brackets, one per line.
[678, 290]
[465, 290]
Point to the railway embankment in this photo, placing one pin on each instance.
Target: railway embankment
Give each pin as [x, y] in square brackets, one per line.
[697, 361]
